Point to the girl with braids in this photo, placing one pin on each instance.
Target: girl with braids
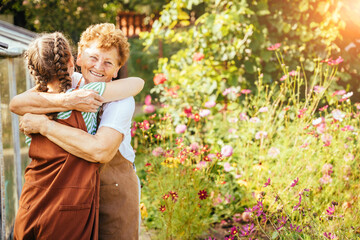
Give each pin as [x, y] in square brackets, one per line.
[60, 198]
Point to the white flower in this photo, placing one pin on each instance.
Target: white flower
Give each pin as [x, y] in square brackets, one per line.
[345, 96]
[338, 115]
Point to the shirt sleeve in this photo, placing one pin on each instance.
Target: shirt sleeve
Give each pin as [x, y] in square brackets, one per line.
[97, 86]
[75, 78]
[118, 115]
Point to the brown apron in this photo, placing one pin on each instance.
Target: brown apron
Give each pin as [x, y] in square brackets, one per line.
[119, 200]
[60, 197]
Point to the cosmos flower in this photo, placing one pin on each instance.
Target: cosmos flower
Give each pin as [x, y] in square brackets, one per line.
[274, 47]
[202, 194]
[181, 128]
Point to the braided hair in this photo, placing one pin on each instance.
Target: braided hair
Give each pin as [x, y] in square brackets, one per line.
[47, 59]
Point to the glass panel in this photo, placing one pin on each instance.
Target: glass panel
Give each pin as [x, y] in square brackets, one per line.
[7, 141]
[20, 68]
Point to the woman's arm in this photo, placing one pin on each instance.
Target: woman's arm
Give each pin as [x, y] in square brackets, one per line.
[83, 100]
[122, 88]
[100, 147]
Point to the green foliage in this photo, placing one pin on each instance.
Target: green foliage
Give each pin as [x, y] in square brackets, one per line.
[267, 109]
[290, 130]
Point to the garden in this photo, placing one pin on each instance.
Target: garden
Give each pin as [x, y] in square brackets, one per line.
[250, 113]
[250, 130]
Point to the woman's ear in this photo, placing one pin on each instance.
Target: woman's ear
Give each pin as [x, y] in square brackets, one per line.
[78, 60]
[116, 73]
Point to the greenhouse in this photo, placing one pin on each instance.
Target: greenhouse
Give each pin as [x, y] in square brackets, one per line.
[14, 79]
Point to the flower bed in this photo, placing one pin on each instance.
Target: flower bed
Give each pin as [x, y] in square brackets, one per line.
[280, 161]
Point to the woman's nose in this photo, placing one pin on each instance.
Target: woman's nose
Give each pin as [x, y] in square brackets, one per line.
[99, 65]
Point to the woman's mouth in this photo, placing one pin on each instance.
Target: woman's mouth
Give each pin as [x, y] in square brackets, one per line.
[96, 74]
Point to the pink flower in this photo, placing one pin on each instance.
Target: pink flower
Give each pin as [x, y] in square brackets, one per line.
[227, 167]
[319, 89]
[327, 169]
[149, 108]
[159, 79]
[263, 109]
[229, 90]
[180, 128]
[243, 117]
[273, 152]
[321, 128]
[330, 211]
[283, 78]
[226, 151]
[323, 108]
[293, 184]
[157, 152]
[255, 120]
[347, 128]
[349, 157]
[210, 104]
[293, 73]
[188, 111]
[330, 235]
[326, 179]
[339, 92]
[245, 91]
[145, 125]
[133, 131]
[232, 130]
[211, 156]
[148, 100]
[194, 146]
[261, 134]
[274, 47]
[326, 138]
[267, 182]
[198, 56]
[201, 165]
[335, 62]
[304, 145]
[204, 112]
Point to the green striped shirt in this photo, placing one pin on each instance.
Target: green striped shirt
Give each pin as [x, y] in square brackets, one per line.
[90, 118]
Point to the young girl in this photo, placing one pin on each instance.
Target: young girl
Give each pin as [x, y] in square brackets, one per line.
[60, 198]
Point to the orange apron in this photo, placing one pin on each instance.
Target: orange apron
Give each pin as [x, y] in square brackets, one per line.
[119, 200]
[60, 197]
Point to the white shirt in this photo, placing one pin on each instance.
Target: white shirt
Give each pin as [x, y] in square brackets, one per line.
[117, 115]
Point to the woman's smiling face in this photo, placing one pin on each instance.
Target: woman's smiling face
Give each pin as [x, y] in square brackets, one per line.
[97, 64]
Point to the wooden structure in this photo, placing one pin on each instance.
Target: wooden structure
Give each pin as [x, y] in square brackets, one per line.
[14, 79]
[132, 23]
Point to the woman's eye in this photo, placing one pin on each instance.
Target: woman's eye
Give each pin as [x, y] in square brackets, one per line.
[93, 57]
[109, 63]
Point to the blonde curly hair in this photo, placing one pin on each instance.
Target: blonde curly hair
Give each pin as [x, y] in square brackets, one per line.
[108, 37]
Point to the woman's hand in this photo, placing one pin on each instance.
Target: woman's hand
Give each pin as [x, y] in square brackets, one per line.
[83, 100]
[33, 123]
